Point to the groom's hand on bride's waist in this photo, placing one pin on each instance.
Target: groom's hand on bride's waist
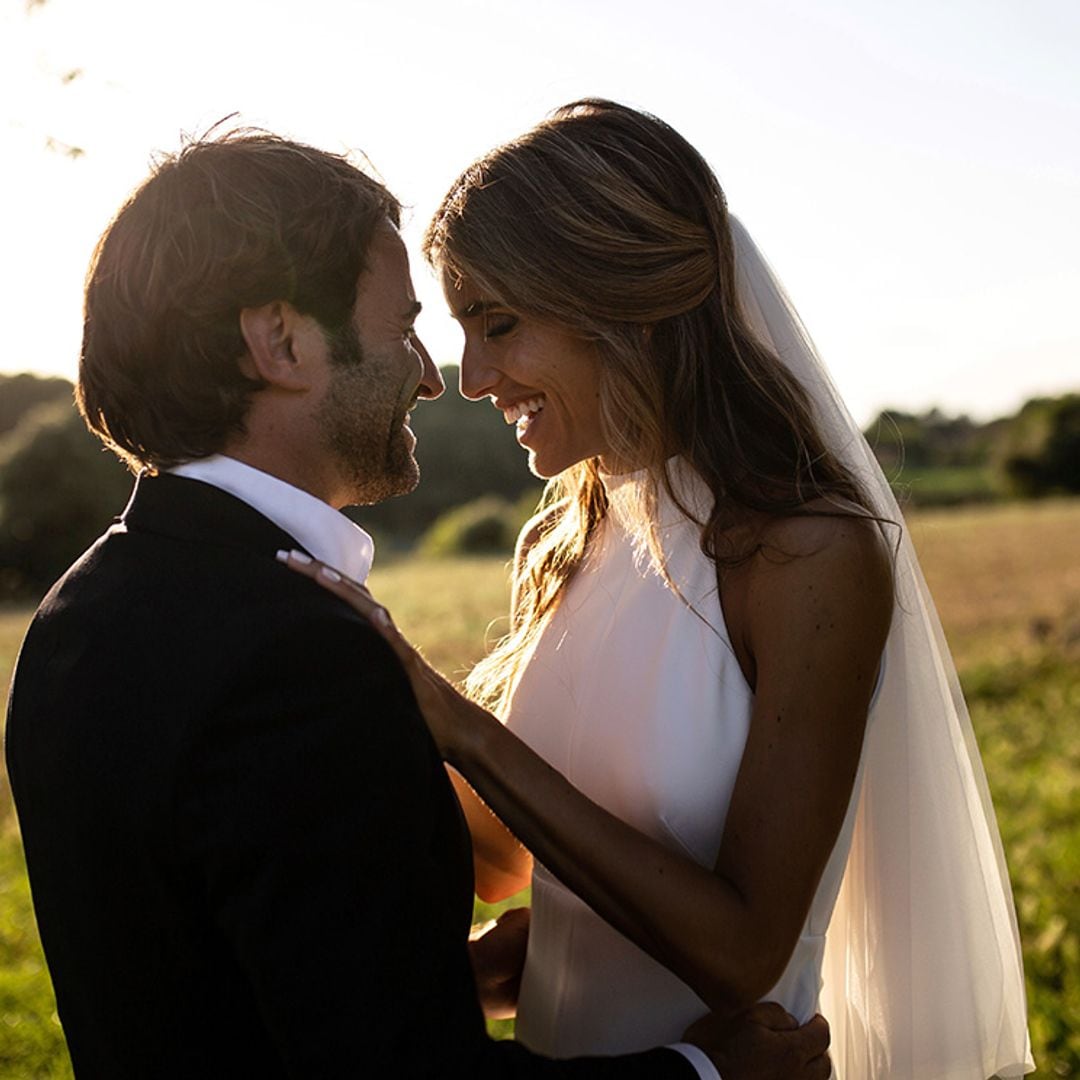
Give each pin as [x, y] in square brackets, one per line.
[497, 952]
[764, 1043]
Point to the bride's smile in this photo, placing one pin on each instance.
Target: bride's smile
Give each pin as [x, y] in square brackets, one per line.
[544, 379]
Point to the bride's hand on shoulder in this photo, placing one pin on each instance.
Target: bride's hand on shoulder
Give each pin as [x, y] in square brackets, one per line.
[450, 716]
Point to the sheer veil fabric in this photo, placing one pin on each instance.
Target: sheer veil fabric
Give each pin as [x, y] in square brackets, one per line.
[923, 977]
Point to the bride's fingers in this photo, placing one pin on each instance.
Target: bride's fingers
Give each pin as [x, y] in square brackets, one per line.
[355, 594]
[332, 580]
[359, 598]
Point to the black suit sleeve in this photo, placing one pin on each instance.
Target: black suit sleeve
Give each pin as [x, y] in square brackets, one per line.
[334, 862]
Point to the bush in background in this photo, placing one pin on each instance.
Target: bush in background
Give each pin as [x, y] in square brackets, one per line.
[482, 527]
[485, 526]
[59, 489]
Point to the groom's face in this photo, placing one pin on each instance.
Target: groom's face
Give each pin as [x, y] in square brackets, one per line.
[378, 370]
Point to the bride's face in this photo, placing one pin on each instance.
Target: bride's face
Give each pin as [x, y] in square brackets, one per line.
[542, 378]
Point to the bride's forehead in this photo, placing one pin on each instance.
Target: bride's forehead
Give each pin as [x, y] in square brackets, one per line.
[461, 292]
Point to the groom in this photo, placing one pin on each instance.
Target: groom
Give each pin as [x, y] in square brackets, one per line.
[245, 855]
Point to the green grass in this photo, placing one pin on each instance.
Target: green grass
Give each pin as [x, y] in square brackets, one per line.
[31, 1039]
[1008, 588]
[943, 486]
[1025, 716]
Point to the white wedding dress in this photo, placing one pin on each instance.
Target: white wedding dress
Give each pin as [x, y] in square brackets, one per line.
[634, 694]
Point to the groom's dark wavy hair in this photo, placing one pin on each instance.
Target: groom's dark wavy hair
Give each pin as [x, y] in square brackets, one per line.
[229, 222]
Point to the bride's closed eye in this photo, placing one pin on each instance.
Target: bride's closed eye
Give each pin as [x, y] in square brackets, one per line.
[496, 325]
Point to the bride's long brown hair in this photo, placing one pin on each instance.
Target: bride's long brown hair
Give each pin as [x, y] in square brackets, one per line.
[606, 221]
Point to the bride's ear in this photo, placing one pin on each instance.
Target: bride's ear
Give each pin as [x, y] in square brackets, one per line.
[282, 346]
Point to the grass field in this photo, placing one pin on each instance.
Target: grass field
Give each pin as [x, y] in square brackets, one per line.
[1007, 582]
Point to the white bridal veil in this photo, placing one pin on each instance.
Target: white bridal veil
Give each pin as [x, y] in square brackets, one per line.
[923, 978]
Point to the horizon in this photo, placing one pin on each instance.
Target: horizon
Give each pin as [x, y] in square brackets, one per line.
[930, 412]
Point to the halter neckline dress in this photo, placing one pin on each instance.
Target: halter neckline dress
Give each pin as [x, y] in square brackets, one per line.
[634, 693]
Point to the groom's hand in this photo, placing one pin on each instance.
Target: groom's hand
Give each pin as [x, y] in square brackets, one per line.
[498, 957]
[764, 1043]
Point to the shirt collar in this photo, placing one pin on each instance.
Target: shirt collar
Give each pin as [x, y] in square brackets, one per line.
[320, 529]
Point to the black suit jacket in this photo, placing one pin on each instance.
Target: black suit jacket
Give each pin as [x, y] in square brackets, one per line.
[245, 857]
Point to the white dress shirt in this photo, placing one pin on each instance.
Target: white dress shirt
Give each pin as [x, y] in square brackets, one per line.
[320, 529]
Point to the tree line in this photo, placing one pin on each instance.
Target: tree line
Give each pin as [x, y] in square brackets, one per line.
[59, 488]
[936, 459]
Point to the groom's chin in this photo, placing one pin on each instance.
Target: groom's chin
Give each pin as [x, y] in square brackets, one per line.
[400, 480]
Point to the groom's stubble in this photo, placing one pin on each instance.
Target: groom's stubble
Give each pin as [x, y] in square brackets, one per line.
[362, 418]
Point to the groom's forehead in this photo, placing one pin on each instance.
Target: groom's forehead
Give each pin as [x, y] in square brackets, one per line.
[386, 282]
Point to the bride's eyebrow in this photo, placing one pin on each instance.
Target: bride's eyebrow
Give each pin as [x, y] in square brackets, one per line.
[470, 311]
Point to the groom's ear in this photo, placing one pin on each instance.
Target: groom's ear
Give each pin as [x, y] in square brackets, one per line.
[284, 348]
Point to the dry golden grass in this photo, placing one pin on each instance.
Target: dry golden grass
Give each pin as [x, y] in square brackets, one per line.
[449, 607]
[12, 627]
[1005, 579]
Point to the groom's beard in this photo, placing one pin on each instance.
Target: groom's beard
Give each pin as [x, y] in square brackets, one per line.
[362, 419]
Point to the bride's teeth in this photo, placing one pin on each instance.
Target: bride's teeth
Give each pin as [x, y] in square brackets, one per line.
[516, 413]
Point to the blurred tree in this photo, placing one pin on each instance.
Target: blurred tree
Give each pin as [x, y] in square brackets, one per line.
[930, 439]
[20, 393]
[1041, 452]
[897, 439]
[59, 488]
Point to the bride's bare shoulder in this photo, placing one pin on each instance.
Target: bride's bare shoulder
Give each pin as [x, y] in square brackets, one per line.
[806, 572]
[804, 560]
[825, 534]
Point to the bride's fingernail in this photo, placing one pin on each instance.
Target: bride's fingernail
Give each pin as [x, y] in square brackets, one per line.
[282, 556]
[330, 575]
[300, 557]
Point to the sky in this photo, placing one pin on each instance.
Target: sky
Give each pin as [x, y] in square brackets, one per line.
[912, 171]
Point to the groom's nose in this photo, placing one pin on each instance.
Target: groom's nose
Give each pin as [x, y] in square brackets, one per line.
[431, 380]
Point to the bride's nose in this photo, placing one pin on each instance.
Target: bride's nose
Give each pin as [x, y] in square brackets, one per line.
[477, 377]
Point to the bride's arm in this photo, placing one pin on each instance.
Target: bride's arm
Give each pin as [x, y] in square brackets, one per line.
[814, 626]
[502, 866]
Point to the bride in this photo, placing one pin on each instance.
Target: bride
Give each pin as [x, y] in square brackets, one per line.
[729, 722]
